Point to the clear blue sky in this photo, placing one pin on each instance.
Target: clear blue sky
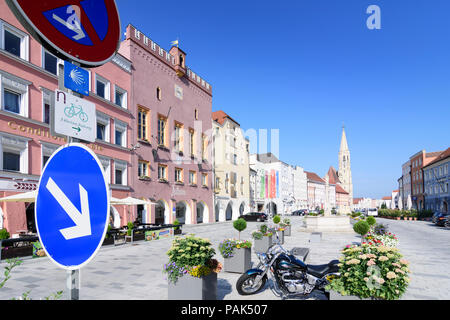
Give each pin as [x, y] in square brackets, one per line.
[305, 67]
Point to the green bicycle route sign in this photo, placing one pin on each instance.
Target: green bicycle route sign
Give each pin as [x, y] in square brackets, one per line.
[74, 117]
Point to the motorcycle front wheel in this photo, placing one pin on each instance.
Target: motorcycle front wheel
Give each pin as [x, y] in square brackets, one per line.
[246, 284]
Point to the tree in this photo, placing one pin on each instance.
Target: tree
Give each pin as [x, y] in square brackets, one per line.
[240, 225]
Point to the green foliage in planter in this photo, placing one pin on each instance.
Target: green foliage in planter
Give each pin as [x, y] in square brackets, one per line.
[371, 221]
[276, 219]
[257, 235]
[321, 211]
[4, 234]
[190, 255]
[130, 228]
[369, 271]
[287, 222]
[176, 223]
[190, 251]
[361, 227]
[228, 246]
[263, 228]
[240, 225]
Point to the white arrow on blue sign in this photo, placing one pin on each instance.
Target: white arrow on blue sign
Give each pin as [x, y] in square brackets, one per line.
[72, 206]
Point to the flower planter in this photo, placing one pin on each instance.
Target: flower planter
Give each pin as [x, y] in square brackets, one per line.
[334, 295]
[281, 236]
[138, 236]
[192, 288]
[263, 245]
[287, 230]
[398, 218]
[16, 252]
[108, 241]
[240, 262]
[177, 231]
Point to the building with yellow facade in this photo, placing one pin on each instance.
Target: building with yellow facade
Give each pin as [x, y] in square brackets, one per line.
[231, 168]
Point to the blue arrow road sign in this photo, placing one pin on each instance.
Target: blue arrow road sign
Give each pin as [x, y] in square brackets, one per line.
[76, 78]
[72, 206]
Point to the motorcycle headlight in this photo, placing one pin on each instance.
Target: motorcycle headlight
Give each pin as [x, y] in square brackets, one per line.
[263, 257]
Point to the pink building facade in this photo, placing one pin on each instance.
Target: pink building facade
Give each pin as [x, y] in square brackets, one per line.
[171, 156]
[28, 80]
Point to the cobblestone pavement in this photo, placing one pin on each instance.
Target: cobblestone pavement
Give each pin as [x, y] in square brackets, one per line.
[134, 271]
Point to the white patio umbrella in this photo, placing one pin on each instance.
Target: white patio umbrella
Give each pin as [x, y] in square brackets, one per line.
[409, 203]
[129, 201]
[21, 197]
[400, 203]
[31, 197]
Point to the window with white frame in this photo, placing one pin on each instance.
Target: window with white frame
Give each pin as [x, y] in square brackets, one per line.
[143, 169]
[47, 150]
[103, 127]
[102, 87]
[120, 133]
[106, 164]
[14, 40]
[120, 172]
[50, 62]
[14, 94]
[120, 97]
[47, 98]
[14, 153]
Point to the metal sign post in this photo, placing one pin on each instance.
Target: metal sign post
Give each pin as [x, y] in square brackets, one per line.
[73, 282]
[89, 33]
[73, 285]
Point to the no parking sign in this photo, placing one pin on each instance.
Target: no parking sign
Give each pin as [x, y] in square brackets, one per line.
[84, 31]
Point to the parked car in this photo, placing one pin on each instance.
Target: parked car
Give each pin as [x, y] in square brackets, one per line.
[441, 219]
[435, 217]
[372, 212]
[447, 222]
[301, 212]
[254, 216]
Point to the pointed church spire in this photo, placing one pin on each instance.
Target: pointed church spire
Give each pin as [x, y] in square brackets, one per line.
[344, 145]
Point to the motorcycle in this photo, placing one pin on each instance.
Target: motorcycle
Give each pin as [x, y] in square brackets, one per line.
[290, 276]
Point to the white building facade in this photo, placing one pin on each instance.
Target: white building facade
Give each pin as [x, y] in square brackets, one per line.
[279, 187]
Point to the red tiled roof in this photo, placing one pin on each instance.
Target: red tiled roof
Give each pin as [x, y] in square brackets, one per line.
[443, 155]
[332, 175]
[314, 177]
[356, 200]
[386, 198]
[221, 116]
[339, 189]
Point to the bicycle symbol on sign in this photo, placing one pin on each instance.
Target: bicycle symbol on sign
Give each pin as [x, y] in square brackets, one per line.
[73, 111]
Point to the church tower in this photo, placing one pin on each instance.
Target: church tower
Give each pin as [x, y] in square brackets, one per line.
[345, 171]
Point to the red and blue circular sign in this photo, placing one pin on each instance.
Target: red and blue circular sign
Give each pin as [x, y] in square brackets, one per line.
[84, 31]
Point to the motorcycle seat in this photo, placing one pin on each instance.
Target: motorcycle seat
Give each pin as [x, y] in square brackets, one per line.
[321, 270]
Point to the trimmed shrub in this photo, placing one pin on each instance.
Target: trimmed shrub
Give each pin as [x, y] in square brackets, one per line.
[240, 225]
[361, 227]
[276, 219]
[371, 220]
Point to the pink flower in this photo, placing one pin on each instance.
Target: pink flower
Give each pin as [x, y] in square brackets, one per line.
[371, 262]
[391, 275]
